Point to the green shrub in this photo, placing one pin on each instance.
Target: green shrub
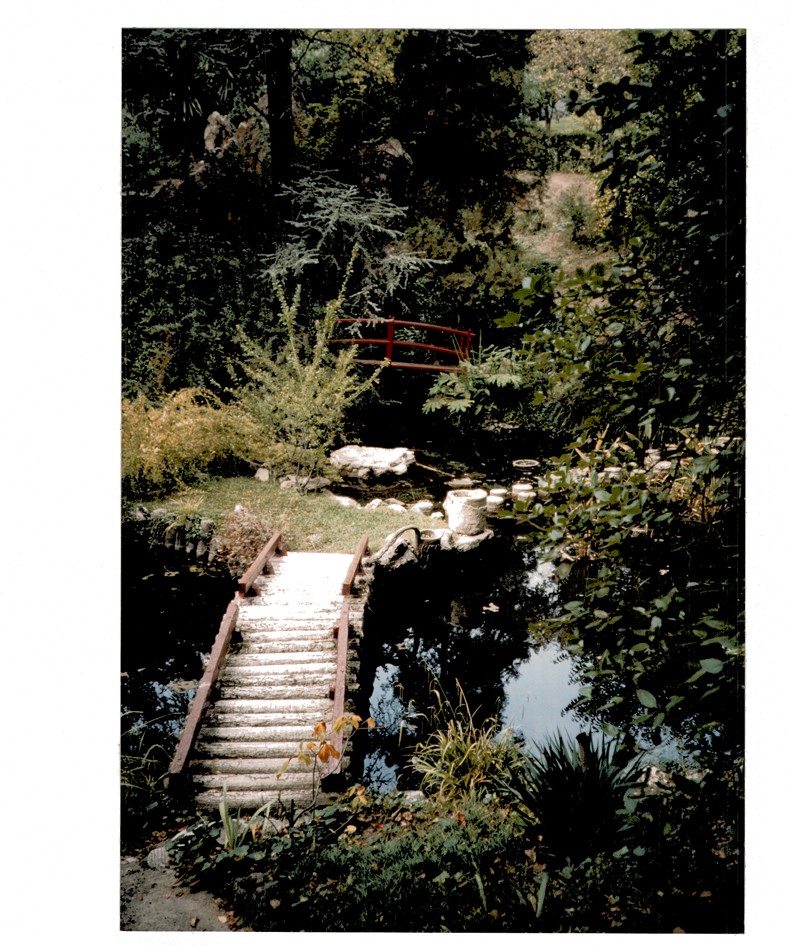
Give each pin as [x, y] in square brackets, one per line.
[368, 863]
[577, 795]
[144, 763]
[299, 396]
[578, 216]
[169, 443]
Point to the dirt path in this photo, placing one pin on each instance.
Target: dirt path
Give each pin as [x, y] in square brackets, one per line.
[151, 900]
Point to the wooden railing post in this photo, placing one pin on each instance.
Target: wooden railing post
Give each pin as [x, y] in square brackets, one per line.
[338, 692]
[274, 546]
[390, 339]
[354, 565]
[201, 700]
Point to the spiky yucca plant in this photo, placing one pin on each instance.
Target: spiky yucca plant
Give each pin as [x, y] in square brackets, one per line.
[577, 794]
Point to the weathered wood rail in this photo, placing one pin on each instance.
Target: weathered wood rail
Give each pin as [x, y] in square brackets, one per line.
[259, 699]
[338, 691]
[219, 651]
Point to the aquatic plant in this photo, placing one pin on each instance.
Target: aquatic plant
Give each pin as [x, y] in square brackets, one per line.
[461, 759]
[577, 795]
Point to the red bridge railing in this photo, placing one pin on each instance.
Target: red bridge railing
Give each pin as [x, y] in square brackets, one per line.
[460, 339]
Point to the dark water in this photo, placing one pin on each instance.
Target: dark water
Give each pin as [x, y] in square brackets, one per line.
[170, 614]
[461, 627]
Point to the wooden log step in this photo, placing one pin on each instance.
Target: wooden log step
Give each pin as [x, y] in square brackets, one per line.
[250, 749]
[260, 644]
[252, 801]
[266, 653]
[260, 735]
[317, 708]
[265, 766]
[262, 618]
[319, 632]
[322, 649]
[271, 659]
[287, 689]
[266, 781]
[266, 674]
[262, 652]
[261, 727]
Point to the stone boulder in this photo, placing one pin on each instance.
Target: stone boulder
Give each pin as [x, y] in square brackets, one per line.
[365, 462]
[346, 501]
[451, 541]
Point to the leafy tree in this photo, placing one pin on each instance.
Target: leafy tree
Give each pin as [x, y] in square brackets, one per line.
[573, 60]
[459, 117]
[435, 118]
[224, 130]
[653, 361]
[333, 222]
[172, 80]
[186, 292]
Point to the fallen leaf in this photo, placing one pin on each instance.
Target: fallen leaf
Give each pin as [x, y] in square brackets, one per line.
[193, 921]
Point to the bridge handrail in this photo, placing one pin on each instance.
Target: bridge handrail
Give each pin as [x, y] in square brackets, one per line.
[342, 637]
[460, 351]
[275, 546]
[200, 702]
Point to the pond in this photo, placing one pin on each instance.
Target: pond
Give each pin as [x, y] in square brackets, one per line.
[460, 628]
[170, 614]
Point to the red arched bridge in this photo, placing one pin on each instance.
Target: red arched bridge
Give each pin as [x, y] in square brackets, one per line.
[413, 337]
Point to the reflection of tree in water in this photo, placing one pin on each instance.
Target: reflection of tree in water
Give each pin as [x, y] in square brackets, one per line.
[170, 614]
[463, 620]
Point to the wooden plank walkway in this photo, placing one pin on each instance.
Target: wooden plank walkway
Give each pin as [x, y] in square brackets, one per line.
[276, 683]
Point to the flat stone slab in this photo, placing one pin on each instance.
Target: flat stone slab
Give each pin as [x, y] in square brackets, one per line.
[364, 462]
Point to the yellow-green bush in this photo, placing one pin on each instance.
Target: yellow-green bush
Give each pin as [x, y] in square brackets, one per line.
[170, 442]
[299, 396]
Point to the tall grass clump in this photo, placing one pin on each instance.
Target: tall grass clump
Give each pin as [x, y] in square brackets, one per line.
[170, 442]
[461, 759]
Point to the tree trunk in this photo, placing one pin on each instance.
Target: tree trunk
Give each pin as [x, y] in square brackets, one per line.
[281, 119]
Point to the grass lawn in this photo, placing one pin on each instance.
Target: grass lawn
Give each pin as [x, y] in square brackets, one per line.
[309, 523]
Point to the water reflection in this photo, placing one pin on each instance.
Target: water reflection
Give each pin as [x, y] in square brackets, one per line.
[537, 696]
[467, 627]
[170, 614]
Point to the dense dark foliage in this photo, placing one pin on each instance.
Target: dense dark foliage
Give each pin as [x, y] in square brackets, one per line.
[222, 127]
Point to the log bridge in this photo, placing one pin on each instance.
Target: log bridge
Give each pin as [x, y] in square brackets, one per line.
[277, 668]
